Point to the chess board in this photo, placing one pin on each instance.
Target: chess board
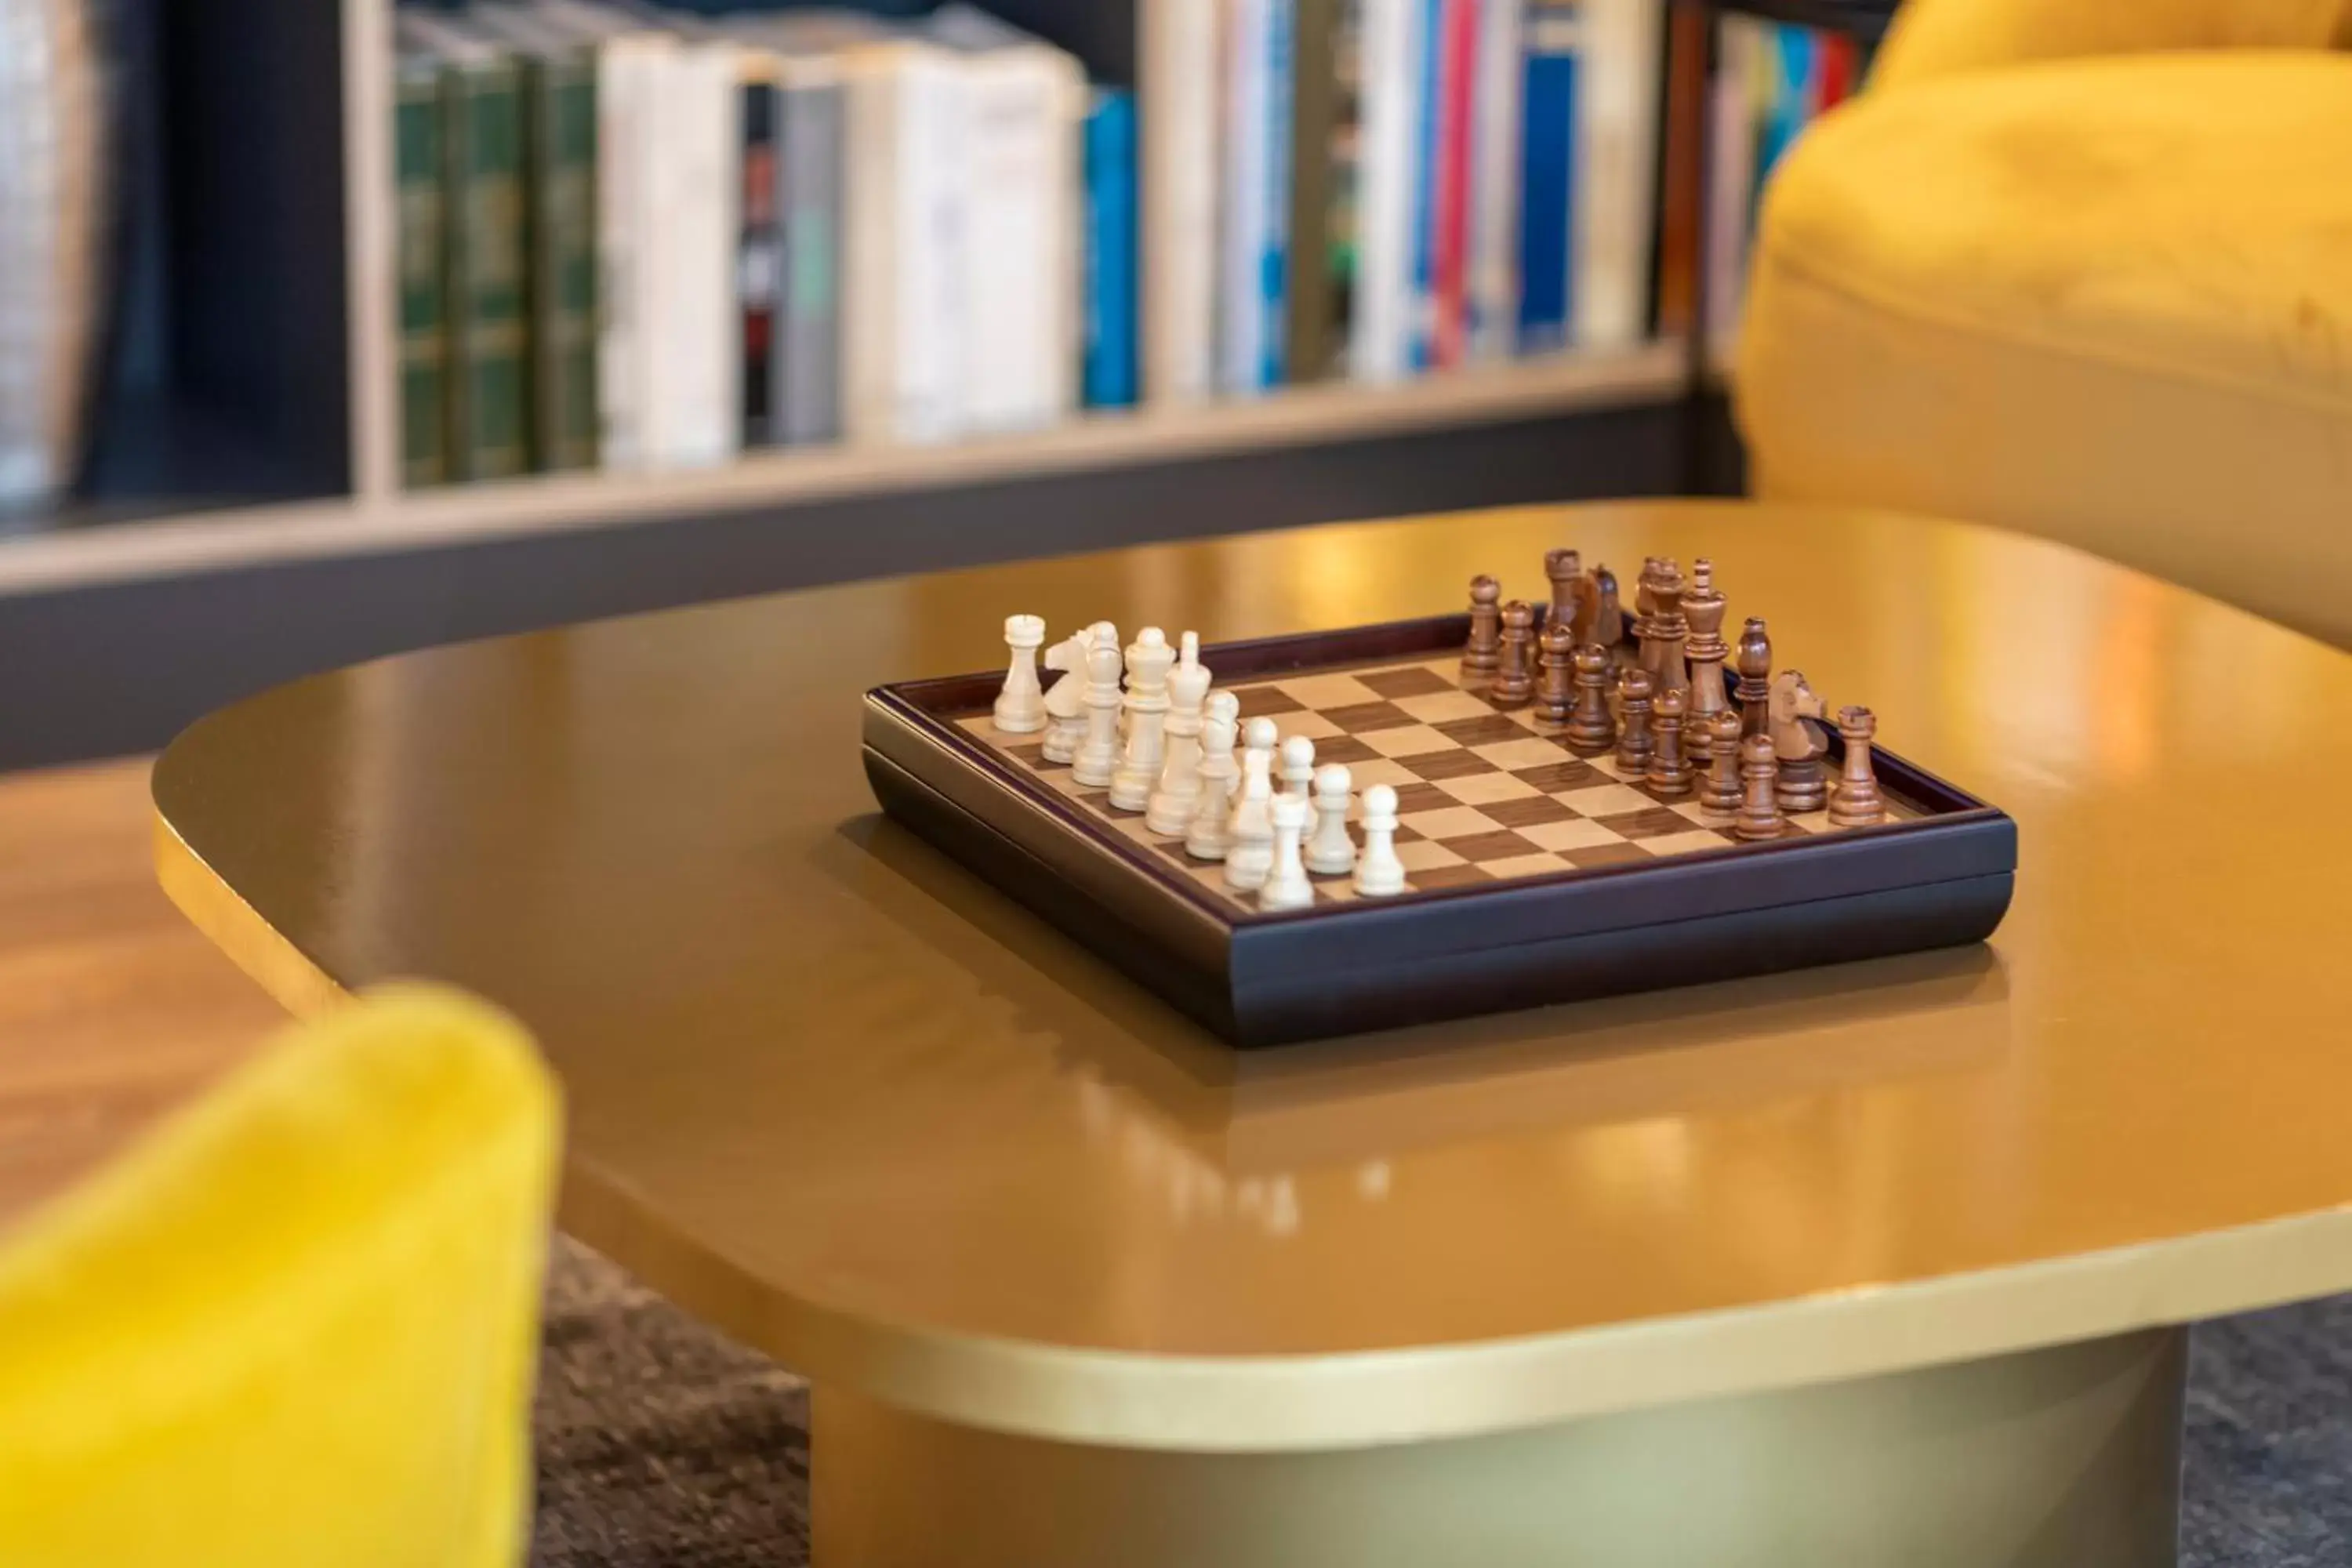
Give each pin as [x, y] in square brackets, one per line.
[1533, 874]
[1485, 794]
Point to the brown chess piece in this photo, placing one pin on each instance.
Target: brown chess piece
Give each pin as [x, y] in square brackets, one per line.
[1670, 631]
[1703, 611]
[1719, 797]
[1646, 616]
[1484, 653]
[1566, 570]
[1558, 692]
[1755, 688]
[1670, 774]
[1515, 680]
[1592, 729]
[1855, 801]
[1799, 744]
[1633, 745]
[1759, 813]
[1608, 627]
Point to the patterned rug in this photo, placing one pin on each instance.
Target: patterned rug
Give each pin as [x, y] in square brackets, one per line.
[664, 1445]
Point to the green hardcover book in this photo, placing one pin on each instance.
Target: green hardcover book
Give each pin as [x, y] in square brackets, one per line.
[483, 160]
[424, 251]
[559, 87]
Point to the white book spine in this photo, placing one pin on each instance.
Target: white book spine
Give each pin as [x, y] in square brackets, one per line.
[696, 355]
[1498, 128]
[1616, 171]
[1381, 335]
[1240, 309]
[869, 301]
[1731, 172]
[932, 263]
[1182, 68]
[1022, 107]
[629, 81]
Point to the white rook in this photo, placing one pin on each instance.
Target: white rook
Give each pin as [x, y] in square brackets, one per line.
[1021, 706]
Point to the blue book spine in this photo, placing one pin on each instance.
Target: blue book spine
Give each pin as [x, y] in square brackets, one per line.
[1429, 30]
[1553, 40]
[1111, 316]
[1789, 61]
[1274, 259]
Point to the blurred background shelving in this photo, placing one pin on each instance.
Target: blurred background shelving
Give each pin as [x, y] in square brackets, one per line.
[242, 517]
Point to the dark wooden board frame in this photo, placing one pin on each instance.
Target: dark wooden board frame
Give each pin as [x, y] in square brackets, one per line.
[1943, 878]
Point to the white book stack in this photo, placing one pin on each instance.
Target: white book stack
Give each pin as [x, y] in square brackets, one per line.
[1023, 103]
[1181, 65]
[1617, 171]
[1392, 43]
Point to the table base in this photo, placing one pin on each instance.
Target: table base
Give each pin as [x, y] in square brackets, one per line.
[2067, 1457]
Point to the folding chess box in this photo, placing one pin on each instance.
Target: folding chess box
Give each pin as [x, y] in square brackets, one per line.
[1534, 876]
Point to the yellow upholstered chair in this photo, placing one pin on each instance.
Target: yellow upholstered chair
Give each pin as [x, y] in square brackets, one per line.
[297, 1327]
[2083, 268]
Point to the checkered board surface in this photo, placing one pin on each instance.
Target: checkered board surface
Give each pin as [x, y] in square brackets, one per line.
[1484, 795]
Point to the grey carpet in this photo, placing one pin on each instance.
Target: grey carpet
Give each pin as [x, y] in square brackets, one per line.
[663, 1444]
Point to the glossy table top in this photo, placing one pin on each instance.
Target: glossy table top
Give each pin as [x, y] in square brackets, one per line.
[830, 1091]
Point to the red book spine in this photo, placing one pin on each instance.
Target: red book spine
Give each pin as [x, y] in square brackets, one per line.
[1451, 211]
[1840, 57]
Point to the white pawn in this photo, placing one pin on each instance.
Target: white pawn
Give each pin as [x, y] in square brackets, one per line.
[1249, 855]
[1379, 873]
[1209, 838]
[1065, 703]
[1332, 853]
[1287, 887]
[1298, 770]
[1021, 706]
[1148, 658]
[1170, 810]
[1097, 758]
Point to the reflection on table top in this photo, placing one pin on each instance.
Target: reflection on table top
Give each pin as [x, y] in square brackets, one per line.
[831, 1090]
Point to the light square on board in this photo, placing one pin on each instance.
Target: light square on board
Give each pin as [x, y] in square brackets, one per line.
[1382, 770]
[1687, 843]
[1523, 752]
[1426, 855]
[1324, 692]
[1606, 800]
[1536, 865]
[1414, 740]
[1575, 833]
[1485, 789]
[1452, 822]
[1316, 727]
[1443, 707]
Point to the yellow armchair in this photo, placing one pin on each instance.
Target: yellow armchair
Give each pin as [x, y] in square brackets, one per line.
[297, 1327]
[2079, 270]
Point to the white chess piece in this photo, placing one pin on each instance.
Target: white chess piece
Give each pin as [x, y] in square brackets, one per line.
[1379, 873]
[1065, 702]
[1332, 853]
[1287, 887]
[1149, 659]
[1021, 706]
[1249, 858]
[1170, 810]
[1209, 840]
[1097, 758]
[1298, 770]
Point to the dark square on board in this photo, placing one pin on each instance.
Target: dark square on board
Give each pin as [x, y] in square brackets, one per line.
[1415, 682]
[1363, 718]
[1448, 764]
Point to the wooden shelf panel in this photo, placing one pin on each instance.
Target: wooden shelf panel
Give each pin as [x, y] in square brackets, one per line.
[1651, 375]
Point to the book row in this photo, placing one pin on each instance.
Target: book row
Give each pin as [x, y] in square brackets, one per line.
[630, 240]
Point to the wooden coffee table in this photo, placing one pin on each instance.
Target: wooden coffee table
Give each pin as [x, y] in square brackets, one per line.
[1885, 1264]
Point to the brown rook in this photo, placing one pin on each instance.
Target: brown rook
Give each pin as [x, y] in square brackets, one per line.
[1855, 801]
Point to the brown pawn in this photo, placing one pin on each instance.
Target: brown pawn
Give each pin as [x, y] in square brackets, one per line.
[1484, 653]
[1719, 797]
[1558, 691]
[1566, 570]
[1592, 729]
[1855, 801]
[1703, 610]
[1608, 627]
[1515, 680]
[1634, 746]
[1755, 691]
[1670, 774]
[1759, 813]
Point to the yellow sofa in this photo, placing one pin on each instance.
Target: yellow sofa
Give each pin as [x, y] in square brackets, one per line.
[2081, 268]
[297, 1327]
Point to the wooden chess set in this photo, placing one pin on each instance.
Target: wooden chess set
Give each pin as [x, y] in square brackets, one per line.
[1525, 803]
